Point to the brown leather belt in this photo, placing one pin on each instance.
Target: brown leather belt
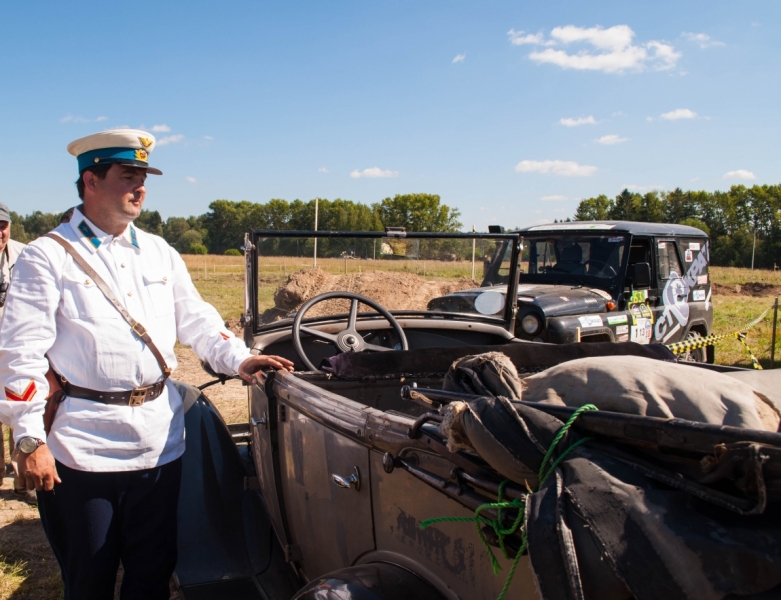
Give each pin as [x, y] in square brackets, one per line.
[134, 397]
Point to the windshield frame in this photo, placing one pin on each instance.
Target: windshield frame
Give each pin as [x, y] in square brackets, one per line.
[251, 272]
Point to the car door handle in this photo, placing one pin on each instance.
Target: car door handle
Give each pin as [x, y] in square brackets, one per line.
[263, 420]
[353, 480]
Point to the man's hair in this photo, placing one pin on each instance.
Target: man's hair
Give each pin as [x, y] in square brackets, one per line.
[100, 172]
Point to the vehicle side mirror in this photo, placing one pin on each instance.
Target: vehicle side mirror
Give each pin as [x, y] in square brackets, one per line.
[640, 274]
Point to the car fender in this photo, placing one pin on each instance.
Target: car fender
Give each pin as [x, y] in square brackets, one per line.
[371, 581]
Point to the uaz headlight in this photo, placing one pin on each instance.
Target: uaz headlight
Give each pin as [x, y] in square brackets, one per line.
[531, 324]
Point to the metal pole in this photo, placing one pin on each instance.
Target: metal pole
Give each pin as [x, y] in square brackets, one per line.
[317, 200]
[754, 246]
[474, 241]
[773, 347]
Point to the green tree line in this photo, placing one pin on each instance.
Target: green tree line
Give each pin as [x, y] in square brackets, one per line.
[222, 228]
[730, 218]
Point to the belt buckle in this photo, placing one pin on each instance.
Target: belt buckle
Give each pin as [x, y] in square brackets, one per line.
[137, 397]
[139, 329]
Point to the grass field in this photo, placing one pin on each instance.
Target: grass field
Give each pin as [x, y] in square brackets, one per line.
[220, 280]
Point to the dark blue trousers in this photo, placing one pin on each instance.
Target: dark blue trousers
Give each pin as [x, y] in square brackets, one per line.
[94, 520]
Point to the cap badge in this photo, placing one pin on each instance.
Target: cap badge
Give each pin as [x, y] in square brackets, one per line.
[142, 155]
[146, 142]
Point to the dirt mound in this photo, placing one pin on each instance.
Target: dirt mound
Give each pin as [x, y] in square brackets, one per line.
[234, 325]
[393, 290]
[752, 288]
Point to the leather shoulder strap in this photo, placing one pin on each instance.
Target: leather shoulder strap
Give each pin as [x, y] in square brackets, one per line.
[137, 327]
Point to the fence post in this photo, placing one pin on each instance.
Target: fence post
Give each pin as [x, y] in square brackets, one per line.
[773, 347]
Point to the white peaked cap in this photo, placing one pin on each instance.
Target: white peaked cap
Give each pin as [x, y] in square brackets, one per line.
[115, 146]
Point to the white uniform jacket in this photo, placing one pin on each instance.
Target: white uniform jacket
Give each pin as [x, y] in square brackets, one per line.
[55, 309]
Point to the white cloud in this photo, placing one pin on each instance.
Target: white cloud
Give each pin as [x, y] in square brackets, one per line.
[170, 139]
[649, 119]
[574, 122]
[679, 113]
[739, 174]
[620, 113]
[160, 129]
[703, 40]
[564, 168]
[554, 198]
[322, 170]
[613, 50]
[518, 39]
[99, 119]
[609, 140]
[208, 138]
[373, 172]
[73, 119]
[191, 179]
[459, 58]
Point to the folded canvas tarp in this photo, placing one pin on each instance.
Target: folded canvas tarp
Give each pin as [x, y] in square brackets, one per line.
[601, 528]
[612, 522]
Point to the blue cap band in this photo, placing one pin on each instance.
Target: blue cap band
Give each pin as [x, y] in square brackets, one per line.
[106, 156]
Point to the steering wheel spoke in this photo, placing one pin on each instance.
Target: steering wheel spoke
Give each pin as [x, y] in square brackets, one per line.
[322, 335]
[376, 348]
[353, 315]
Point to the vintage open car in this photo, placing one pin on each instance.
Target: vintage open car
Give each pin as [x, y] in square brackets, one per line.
[328, 490]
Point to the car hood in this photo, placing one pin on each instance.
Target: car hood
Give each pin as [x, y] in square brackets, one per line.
[552, 300]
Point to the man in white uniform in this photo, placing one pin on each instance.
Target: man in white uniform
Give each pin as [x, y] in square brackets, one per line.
[9, 252]
[108, 472]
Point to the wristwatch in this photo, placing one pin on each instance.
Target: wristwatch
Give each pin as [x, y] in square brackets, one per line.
[29, 444]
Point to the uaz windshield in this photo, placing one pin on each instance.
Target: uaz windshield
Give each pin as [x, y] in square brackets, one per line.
[562, 258]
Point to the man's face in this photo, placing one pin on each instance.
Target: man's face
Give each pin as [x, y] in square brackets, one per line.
[122, 192]
[5, 234]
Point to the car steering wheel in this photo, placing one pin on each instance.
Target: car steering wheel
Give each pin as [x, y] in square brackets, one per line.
[601, 265]
[347, 340]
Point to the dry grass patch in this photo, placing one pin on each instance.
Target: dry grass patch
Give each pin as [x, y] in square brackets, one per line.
[28, 569]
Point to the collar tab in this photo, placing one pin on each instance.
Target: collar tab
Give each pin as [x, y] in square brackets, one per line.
[86, 230]
[134, 237]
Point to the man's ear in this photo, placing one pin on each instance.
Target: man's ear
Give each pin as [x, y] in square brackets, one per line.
[90, 180]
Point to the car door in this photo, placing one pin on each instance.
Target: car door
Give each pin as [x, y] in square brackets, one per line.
[672, 308]
[642, 304]
[324, 476]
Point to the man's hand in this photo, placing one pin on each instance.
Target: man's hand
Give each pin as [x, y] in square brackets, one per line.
[255, 363]
[37, 470]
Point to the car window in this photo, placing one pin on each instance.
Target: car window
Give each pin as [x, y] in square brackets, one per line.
[572, 255]
[669, 262]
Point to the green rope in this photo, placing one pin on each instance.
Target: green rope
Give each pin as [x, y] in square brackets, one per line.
[517, 504]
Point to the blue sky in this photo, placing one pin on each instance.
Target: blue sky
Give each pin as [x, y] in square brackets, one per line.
[511, 111]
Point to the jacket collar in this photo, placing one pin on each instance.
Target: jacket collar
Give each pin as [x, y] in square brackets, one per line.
[92, 237]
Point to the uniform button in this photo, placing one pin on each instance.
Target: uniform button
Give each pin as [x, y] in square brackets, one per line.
[123, 265]
[165, 278]
[130, 293]
[87, 282]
